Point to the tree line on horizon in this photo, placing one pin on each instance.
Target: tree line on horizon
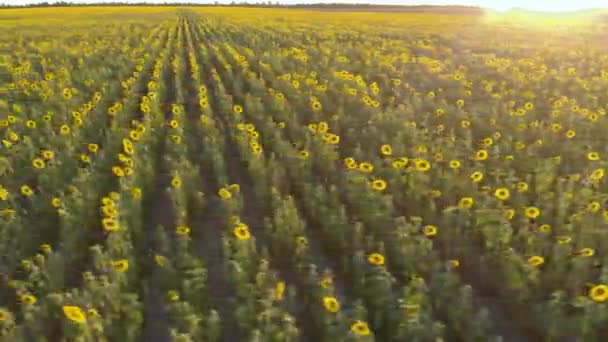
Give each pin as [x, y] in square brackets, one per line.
[263, 4]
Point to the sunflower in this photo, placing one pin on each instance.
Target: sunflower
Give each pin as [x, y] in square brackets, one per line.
[303, 154]
[118, 171]
[570, 134]
[257, 150]
[176, 182]
[331, 304]
[532, 212]
[429, 230]
[136, 193]
[28, 299]
[545, 228]
[74, 313]
[593, 207]
[241, 231]
[536, 260]
[326, 282]
[182, 230]
[84, 158]
[422, 165]
[120, 265]
[110, 224]
[160, 260]
[597, 174]
[93, 313]
[64, 130]
[386, 150]
[173, 295]
[109, 211]
[134, 135]
[398, 164]
[563, 239]
[466, 203]
[376, 259]
[26, 191]
[522, 186]
[234, 188]
[360, 328]
[378, 185]
[48, 154]
[127, 146]
[67, 93]
[332, 139]
[454, 164]
[481, 155]
[224, 193]
[46, 248]
[599, 293]
[584, 252]
[108, 201]
[176, 139]
[174, 124]
[38, 163]
[279, 290]
[30, 124]
[238, 109]
[363, 166]
[144, 107]
[502, 193]
[593, 156]
[4, 315]
[93, 148]
[476, 176]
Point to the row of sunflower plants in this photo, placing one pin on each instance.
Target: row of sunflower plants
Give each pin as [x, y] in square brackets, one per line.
[48, 279]
[303, 154]
[265, 299]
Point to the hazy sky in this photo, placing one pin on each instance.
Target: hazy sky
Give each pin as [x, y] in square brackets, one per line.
[542, 5]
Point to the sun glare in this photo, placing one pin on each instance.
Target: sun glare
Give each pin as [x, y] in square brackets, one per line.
[553, 6]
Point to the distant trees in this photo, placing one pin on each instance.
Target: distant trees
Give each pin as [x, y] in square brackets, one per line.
[264, 4]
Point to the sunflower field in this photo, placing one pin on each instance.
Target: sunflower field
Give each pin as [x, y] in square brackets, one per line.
[231, 174]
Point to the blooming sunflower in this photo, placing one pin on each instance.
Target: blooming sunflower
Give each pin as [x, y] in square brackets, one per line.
[386, 150]
[378, 185]
[599, 293]
[536, 260]
[376, 259]
[502, 193]
[331, 304]
[360, 328]
[74, 313]
[241, 232]
[429, 230]
[121, 265]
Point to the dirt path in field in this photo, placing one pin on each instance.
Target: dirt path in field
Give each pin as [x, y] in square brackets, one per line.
[209, 224]
[158, 211]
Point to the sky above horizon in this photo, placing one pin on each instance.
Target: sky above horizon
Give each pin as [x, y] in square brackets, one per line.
[501, 5]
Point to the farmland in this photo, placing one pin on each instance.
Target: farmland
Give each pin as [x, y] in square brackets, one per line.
[226, 174]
